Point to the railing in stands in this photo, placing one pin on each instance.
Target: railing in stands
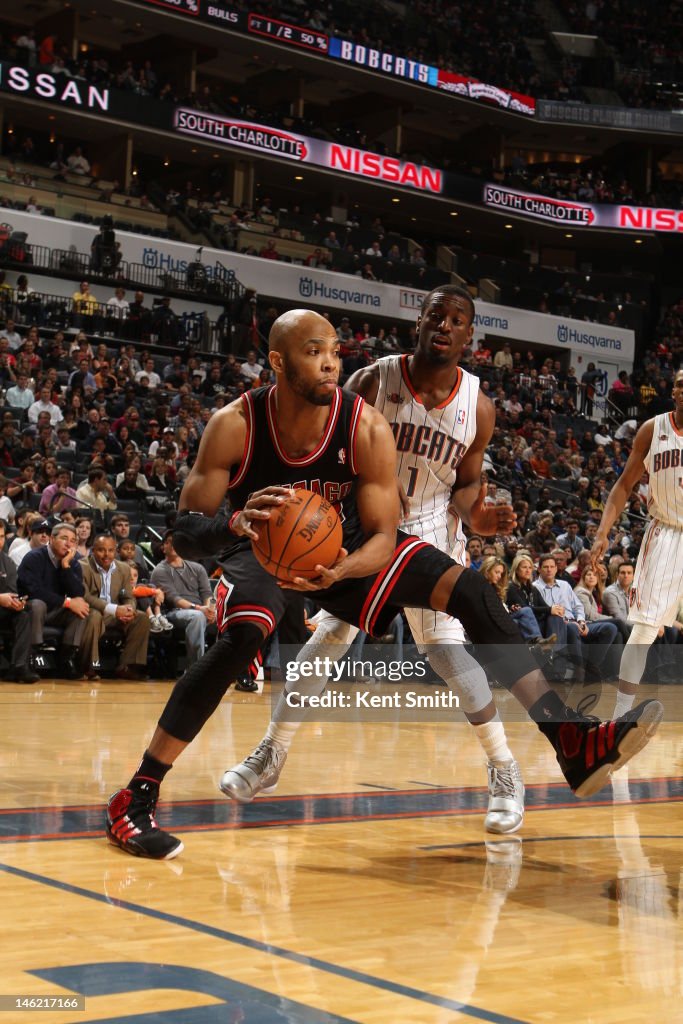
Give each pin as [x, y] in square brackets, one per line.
[194, 282]
[156, 326]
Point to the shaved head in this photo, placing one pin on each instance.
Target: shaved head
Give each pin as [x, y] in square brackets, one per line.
[296, 326]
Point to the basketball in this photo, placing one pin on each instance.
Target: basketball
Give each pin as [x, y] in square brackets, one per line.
[306, 531]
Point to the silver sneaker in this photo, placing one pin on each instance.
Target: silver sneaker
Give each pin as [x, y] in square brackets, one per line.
[506, 798]
[164, 623]
[258, 773]
[154, 624]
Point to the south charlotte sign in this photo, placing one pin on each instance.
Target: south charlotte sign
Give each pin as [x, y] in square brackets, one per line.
[301, 149]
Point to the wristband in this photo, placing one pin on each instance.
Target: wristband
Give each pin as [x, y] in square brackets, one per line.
[232, 519]
[67, 602]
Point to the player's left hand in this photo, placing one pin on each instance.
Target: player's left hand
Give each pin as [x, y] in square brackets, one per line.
[491, 519]
[327, 577]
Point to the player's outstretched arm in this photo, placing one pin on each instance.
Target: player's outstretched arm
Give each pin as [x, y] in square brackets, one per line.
[467, 496]
[620, 493]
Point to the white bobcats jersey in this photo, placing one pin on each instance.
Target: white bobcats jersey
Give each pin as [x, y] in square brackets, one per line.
[664, 464]
[431, 445]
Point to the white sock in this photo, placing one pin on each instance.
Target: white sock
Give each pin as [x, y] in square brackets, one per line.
[624, 703]
[282, 733]
[494, 742]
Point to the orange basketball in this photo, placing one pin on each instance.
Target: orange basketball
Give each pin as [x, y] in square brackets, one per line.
[304, 532]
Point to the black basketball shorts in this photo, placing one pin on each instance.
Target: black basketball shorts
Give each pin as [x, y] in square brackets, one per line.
[247, 593]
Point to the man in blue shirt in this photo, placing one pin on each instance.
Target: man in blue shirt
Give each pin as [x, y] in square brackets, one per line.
[573, 632]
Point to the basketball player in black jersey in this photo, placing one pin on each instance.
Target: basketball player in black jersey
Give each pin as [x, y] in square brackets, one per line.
[306, 432]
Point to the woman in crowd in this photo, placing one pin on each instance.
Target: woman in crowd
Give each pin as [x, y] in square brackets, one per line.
[75, 420]
[589, 592]
[521, 596]
[83, 536]
[495, 571]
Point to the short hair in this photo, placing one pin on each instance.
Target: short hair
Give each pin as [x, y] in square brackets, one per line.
[547, 557]
[96, 473]
[58, 527]
[119, 517]
[102, 535]
[450, 290]
[629, 565]
[475, 536]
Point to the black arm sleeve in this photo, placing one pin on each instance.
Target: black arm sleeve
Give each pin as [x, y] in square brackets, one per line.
[197, 536]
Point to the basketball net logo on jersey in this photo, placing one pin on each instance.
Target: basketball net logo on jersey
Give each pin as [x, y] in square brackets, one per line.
[431, 445]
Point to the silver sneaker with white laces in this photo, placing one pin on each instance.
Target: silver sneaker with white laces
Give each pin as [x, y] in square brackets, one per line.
[506, 798]
[258, 773]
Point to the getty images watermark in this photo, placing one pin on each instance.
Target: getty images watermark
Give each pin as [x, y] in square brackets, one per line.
[378, 682]
[394, 682]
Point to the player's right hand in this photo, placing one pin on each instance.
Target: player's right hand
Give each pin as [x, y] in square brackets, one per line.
[599, 548]
[258, 508]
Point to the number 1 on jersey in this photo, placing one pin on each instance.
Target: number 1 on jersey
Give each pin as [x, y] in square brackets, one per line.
[412, 481]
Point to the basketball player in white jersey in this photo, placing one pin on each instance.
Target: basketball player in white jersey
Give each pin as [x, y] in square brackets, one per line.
[442, 424]
[657, 586]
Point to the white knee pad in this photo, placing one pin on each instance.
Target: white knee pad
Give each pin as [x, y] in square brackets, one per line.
[460, 672]
[635, 652]
[330, 630]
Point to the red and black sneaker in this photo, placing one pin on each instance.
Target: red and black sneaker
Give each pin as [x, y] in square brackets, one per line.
[132, 826]
[589, 751]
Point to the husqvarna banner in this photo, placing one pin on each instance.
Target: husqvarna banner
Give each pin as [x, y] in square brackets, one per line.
[304, 286]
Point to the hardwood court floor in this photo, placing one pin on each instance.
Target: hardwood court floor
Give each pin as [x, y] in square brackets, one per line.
[365, 891]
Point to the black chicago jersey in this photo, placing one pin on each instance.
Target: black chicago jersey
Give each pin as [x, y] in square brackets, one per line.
[247, 594]
[329, 470]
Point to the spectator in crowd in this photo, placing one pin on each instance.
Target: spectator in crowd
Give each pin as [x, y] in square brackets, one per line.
[11, 335]
[129, 486]
[20, 396]
[475, 550]
[85, 303]
[50, 576]
[251, 370]
[15, 615]
[77, 163]
[149, 372]
[188, 596]
[109, 593]
[7, 510]
[33, 533]
[117, 305]
[521, 594]
[571, 538]
[566, 606]
[84, 535]
[59, 496]
[97, 492]
[150, 600]
[120, 528]
[503, 358]
[269, 251]
[45, 404]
